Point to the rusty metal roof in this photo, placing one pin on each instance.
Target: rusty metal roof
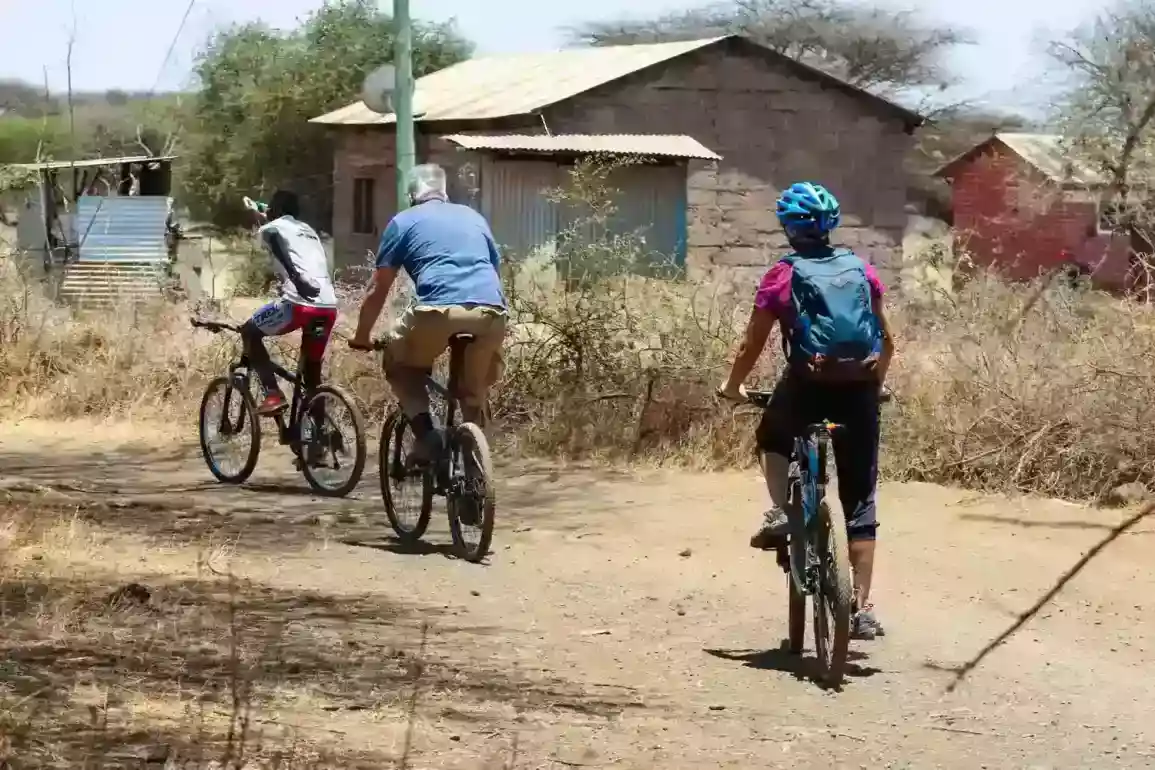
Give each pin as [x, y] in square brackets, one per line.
[1047, 153]
[499, 86]
[504, 86]
[1044, 152]
[666, 145]
[90, 162]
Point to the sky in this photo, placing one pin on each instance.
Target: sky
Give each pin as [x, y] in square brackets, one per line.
[123, 43]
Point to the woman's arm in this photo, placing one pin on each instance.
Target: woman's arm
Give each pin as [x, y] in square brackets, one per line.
[758, 330]
[887, 354]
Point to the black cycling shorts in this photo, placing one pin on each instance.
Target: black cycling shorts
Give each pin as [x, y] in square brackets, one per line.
[797, 403]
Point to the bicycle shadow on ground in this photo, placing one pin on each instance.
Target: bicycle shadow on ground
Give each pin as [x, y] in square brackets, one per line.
[403, 548]
[278, 488]
[801, 667]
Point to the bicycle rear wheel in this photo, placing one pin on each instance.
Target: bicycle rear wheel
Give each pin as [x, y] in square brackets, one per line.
[325, 457]
[228, 416]
[833, 597]
[409, 517]
[472, 499]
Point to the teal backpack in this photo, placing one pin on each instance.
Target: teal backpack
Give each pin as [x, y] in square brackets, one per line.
[836, 335]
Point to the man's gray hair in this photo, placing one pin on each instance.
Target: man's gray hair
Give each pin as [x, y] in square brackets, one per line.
[427, 182]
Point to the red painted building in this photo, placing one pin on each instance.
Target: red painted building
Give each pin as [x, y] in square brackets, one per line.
[1021, 207]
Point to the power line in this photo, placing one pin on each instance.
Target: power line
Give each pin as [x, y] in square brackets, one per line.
[172, 45]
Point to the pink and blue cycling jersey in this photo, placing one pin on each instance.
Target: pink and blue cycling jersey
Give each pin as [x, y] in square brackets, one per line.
[774, 291]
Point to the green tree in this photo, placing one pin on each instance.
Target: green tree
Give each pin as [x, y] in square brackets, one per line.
[249, 131]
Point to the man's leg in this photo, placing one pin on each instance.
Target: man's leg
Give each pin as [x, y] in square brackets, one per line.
[775, 438]
[416, 340]
[271, 320]
[481, 365]
[316, 326]
[856, 459]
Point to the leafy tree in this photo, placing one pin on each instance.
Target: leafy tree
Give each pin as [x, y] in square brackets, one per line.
[249, 131]
[874, 48]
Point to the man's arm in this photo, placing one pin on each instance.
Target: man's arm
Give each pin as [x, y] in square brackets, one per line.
[375, 296]
[494, 254]
[389, 256]
[758, 330]
[276, 245]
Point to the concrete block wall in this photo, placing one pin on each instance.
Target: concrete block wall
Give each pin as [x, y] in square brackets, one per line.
[772, 127]
[370, 154]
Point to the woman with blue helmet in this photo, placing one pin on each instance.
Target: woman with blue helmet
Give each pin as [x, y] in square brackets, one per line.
[837, 385]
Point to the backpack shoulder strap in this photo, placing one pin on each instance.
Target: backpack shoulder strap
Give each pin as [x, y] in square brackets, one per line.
[843, 253]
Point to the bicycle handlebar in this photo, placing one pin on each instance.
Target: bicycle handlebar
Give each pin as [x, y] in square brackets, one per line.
[761, 398]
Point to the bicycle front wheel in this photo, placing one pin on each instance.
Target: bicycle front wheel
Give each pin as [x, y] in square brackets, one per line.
[472, 497]
[230, 435]
[407, 494]
[333, 456]
[833, 597]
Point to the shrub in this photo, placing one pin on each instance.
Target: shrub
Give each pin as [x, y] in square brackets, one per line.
[1041, 388]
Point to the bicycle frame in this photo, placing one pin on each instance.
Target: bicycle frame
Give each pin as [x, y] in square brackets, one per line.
[448, 392]
[288, 432]
[807, 489]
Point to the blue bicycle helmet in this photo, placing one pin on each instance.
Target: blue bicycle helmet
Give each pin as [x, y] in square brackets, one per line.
[807, 208]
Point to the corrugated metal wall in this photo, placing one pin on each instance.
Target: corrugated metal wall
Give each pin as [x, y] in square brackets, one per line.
[121, 229]
[513, 199]
[651, 203]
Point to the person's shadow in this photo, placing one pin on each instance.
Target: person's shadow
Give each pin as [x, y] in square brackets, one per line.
[802, 667]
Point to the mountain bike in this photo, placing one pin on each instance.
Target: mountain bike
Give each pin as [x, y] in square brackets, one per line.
[311, 431]
[816, 554]
[462, 472]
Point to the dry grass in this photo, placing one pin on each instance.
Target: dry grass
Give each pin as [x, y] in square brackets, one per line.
[1001, 386]
[116, 652]
[1025, 388]
[107, 669]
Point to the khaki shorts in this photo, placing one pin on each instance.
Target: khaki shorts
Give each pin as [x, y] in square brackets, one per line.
[422, 334]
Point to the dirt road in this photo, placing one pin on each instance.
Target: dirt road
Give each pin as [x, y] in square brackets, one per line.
[622, 622]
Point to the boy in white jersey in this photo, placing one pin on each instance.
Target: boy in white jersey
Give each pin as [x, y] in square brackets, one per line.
[307, 302]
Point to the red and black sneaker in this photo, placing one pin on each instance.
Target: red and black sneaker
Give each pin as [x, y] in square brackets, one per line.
[273, 404]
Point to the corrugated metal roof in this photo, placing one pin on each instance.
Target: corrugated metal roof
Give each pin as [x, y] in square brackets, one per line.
[1045, 152]
[500, 86]
[668, 145]
[90, 162]
[121, 228]
[503, 86]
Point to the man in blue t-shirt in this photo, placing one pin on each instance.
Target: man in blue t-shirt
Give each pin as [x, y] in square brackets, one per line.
[449, 252]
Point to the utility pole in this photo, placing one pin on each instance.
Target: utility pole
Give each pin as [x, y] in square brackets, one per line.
[403, 98]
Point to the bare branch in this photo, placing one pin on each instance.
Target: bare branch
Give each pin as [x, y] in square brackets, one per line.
[869, 47]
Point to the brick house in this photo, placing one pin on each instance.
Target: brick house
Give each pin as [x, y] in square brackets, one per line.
[1022, 205]
[737, 122]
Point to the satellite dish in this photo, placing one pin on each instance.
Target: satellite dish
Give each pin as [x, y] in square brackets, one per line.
[377, 90]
